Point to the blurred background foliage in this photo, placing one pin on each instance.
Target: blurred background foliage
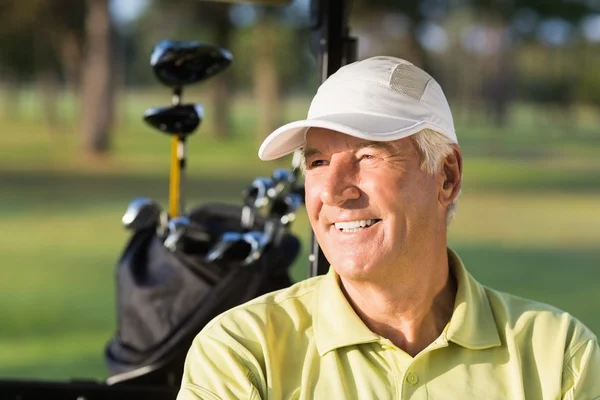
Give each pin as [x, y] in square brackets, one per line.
[522, 80]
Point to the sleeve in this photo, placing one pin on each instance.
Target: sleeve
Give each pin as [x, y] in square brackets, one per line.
[219, 368]
[581, 372]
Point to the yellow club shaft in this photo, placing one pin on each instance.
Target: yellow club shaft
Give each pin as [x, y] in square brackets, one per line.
[174, 179]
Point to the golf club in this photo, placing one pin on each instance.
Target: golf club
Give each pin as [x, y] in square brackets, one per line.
[142, 213]
[180, 120]
[180, 228]
[283, 180]
[227, 241]
[293, 202]
[255, 199]
[177, 64]
[258, 241]
[235, 246]
[281, 216]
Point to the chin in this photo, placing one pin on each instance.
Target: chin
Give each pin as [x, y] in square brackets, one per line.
[353, 269]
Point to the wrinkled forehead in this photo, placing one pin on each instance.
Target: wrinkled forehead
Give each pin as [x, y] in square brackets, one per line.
[321, 140]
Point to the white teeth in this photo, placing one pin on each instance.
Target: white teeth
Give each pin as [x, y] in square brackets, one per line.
[354, 226]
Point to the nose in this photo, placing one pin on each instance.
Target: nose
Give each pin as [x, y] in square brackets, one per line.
[339, 185]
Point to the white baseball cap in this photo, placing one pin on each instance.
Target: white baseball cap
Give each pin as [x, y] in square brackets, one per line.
[378, 99]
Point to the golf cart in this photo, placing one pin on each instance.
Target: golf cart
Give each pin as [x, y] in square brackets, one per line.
[182, 267]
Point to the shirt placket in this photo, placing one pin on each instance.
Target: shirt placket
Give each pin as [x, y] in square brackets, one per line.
[410, 379]
[399, 362]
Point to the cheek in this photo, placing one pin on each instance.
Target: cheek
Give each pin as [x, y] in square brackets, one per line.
[403, 197]
[421, 200]
[312, 198]
[426, 188]
[383, 192]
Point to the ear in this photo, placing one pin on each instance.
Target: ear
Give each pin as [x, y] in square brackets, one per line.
[451, 177]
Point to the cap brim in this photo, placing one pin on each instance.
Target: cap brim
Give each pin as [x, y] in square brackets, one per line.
[292, 136]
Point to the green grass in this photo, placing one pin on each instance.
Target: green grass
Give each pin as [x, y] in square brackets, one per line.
[527, 221]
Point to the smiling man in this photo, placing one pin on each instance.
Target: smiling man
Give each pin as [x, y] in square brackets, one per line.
[398, 316]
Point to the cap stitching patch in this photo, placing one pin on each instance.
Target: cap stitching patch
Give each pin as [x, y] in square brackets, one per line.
[415, 87]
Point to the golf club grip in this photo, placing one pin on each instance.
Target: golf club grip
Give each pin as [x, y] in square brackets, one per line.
[174, 179]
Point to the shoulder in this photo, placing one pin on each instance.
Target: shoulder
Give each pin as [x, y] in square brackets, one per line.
[235, 353]
[548, 343]
[289, 306]
[266, 325]
[542, 323]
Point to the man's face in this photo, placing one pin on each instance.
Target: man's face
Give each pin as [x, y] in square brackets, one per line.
[369, 203]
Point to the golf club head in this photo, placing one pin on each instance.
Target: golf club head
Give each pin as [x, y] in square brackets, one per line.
[283, 180]
[182, 119]
[141, 213]
[258, 242]
[176, 229]
[256, 195]
[293, 201]
[227, 241]
[177, 63]
[255, 199]
[286, 206]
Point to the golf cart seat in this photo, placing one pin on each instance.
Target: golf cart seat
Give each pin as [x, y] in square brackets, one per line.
[165, 298]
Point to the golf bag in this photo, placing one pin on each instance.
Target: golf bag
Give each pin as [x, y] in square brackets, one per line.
[164, 297]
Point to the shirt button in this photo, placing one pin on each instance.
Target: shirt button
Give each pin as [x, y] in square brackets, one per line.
[387, 345]
[412, 378]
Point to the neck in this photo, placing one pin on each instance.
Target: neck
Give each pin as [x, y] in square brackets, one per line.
[411, 308]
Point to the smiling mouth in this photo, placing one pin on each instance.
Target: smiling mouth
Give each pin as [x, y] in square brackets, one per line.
[355, 226]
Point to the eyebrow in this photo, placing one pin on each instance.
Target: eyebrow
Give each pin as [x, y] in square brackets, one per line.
[377, 145]
[311, 151]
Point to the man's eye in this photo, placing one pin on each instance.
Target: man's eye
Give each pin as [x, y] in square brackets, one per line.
[317, 163]
[367, 157]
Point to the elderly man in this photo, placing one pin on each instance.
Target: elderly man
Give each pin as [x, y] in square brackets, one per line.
[398, 316]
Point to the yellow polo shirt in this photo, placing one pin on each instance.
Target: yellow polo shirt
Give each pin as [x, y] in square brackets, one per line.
[306, 342]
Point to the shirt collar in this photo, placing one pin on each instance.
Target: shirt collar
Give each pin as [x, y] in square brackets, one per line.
[335, 323]
[472, 324]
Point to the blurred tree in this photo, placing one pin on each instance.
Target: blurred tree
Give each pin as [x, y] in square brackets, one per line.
[221, 87]
[568, 10]
[68, 41]
[416, 11]
[502, 84]
[43, 42]
[489, 72]
[275, 43]
[97, 83]
[267, 88]
[16, 66]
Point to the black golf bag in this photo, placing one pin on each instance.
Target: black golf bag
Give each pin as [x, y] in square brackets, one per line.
[164, 298]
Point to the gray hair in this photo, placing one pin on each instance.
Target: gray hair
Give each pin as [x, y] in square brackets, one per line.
[433, 148]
